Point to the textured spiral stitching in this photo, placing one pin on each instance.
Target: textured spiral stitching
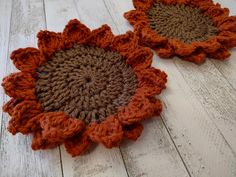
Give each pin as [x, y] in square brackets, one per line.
[181, 22]
[87, 83]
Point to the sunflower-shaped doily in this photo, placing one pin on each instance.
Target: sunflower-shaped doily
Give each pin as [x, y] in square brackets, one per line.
[82, 86]
[190, 29]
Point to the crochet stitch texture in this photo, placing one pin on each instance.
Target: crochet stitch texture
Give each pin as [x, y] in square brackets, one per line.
[82, 87]
[189, 29]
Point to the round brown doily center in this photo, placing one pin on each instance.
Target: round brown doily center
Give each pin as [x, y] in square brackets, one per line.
[181, 22]
[87, 83]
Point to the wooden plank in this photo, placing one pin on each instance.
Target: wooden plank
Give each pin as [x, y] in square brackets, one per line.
[95, 14]
[153, 154]
[195, 134]
[16, 156]
[194, 130]
[215, 94]
[5, 16]
[100, 162]
[227, 68]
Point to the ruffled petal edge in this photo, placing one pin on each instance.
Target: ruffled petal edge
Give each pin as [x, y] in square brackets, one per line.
[139, 108]
[167, 48]
[27, 59]
[109, 132]
[20, 85]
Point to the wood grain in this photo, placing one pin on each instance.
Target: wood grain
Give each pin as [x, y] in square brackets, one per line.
[16, 156]
[5, 19]
[216, 95]
[196, 136]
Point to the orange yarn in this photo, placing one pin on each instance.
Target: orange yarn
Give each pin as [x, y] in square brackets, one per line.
[51, 129]
[49, 42]
[19, 85]
[140, 58]
[139, 108]
[78, 144]
[56, 127]
[125, 43]
[27, 60]
[216, 47]
[75, 32]
[109, 132]
[10, 105]
[133, 131]
[97, 37]
[150, 82]
[23, 117]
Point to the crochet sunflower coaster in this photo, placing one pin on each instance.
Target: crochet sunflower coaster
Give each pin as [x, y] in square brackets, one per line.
[82, 86]
[189, 29]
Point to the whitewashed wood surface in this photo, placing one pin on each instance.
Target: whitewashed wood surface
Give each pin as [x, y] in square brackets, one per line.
[194, 137]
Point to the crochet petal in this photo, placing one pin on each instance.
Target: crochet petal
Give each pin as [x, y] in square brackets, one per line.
[23, 114]
[39, 142]
[75, 32]
[56, 127]
[202, 3]
[49, 42]
[19, 85]
[196, 57]
[125, 43]
[136, 16]
[165, 51]
[102, 37]
[10, 105]
[227, 39]
[221, 54]
[108, 132]
[182, 1]
[78, 144]
[215, 11]
[139, 108]
[218, 18]
[226, 19]
[182, 49]
[173, 2]
[27, 59]
[140, 58]
[133, 131]
[151, 39]
[142, 4]
[151, 81]
[208, 46]
[228, 26]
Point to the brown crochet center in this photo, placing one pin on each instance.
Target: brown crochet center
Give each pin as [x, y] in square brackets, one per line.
[181, 22]
[85, 82]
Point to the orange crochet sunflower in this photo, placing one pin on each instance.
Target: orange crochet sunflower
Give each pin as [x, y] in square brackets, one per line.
[189, 29]
[82, 87]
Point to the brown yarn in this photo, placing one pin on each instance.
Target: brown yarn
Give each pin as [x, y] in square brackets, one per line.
[85, 82]
[182, 22]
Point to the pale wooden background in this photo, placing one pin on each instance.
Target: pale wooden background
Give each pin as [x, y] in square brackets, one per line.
[195, 135]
